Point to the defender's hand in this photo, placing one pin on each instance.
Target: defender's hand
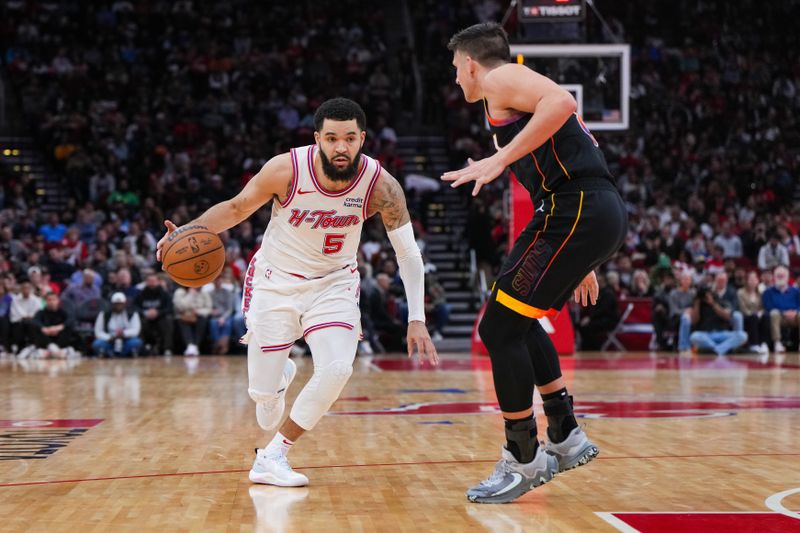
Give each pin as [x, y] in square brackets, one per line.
[587, 287]
[418, 337]
[481, 172]
[170, 229]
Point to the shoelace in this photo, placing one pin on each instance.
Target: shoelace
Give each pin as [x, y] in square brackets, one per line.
[279, 458]
[284, 462]
[500, 471]
[270, 404]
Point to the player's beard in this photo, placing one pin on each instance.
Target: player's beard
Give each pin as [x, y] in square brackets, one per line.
[336, 174]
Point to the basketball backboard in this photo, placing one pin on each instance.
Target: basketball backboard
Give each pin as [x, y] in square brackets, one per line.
[598, 75]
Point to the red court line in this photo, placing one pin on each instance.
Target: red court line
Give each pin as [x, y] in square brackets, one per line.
[234, 471]
[372, 465]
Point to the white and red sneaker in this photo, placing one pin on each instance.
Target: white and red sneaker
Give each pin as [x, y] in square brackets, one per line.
[274, 469]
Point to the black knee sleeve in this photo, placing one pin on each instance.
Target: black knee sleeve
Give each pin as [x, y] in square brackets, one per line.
[544, 357]
[503, 332]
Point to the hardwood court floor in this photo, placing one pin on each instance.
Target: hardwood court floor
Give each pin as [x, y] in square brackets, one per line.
[169, 444]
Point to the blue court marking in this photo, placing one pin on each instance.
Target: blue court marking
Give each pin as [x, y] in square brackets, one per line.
[441, 391]
[440, 423]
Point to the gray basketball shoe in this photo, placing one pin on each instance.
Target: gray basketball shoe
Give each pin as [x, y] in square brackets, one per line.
[576, 450]
[511, 479]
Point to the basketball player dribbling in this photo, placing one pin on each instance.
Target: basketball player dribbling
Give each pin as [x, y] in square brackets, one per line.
[579, 222]
[304, 280]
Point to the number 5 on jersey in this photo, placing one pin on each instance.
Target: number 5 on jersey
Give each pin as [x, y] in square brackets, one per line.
[333, 243]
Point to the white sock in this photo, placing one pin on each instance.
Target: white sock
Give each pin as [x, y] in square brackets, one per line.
[279, 444]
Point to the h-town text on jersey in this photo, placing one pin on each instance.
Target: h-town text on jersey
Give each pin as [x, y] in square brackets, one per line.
[322, 219]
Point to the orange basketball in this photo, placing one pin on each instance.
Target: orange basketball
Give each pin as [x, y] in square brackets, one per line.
[193, 256]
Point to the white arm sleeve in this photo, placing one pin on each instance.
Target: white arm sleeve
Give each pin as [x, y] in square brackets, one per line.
[412, 271]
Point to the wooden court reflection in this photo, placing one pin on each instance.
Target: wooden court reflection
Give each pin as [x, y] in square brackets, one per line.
[174, 439]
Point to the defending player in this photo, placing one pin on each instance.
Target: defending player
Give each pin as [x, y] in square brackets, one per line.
[304, 281]
[579, 222]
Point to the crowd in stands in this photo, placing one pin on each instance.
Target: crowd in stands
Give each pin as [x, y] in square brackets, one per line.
[164, 109]
[161, 109]
[708, 170]
[709, 173]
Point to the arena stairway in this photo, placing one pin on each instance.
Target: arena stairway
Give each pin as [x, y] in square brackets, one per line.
[446, 245]
[19, 154]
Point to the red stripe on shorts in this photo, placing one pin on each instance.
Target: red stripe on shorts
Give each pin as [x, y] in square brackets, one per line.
[277, 347]
[324, 325]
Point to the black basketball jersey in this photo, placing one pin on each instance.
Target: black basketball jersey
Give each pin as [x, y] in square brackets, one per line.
[570, 154]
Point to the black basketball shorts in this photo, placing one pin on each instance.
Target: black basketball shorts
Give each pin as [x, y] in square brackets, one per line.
[574, 229]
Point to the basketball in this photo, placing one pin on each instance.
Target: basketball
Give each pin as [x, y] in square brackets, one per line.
[193, 256]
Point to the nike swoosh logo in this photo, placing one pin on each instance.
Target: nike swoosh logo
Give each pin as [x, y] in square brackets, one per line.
[301, 191]
[353, 270]
[281, 390]
[517, 480]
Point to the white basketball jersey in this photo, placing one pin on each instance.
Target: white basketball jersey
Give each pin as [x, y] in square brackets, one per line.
[317, 231]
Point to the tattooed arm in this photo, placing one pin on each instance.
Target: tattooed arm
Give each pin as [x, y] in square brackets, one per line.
[389, 200]
[274, 180]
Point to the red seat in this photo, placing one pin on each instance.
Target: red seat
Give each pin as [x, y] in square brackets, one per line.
[636, 329]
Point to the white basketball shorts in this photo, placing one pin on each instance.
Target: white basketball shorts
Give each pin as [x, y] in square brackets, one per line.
[280, 307]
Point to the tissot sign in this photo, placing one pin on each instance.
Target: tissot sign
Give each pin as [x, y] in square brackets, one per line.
[547, 10]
